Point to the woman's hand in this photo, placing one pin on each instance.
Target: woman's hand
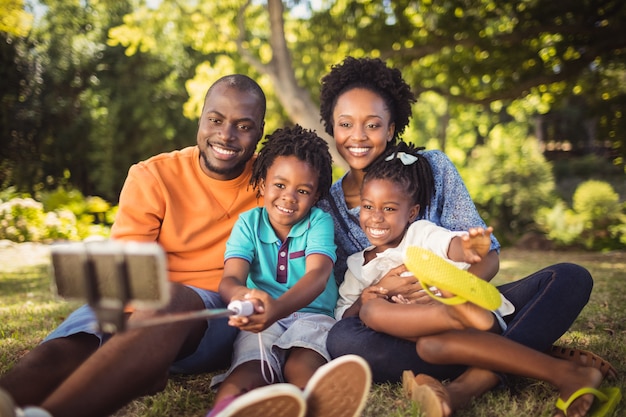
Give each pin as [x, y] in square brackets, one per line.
[399, 281]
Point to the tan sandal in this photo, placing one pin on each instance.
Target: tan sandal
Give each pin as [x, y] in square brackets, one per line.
[427, 392]
[584, 358]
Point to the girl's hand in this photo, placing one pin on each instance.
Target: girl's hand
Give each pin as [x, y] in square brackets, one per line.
[476, 244]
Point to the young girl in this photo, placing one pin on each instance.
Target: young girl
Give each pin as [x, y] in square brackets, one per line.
[396, 188]
[280, 257]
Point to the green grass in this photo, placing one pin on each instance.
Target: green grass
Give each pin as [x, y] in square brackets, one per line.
[28, 311]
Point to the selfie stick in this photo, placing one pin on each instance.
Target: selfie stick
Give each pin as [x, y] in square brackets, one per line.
[235, 308]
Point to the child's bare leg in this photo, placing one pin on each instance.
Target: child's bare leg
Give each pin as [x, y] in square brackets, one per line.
[301, 365]
[470, 315]
[399, 320]
[494, 352]
[243, 378]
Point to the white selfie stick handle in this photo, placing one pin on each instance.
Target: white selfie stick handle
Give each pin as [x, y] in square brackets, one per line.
[241, 308]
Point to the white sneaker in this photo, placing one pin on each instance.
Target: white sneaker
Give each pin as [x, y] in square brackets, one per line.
[339, 388]
[8, 408]
[33, 412]
[276, 400]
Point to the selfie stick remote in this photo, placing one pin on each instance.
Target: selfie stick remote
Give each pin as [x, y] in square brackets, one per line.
[241, 307]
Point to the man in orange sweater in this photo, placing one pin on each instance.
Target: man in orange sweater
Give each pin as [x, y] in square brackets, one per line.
[187, 201]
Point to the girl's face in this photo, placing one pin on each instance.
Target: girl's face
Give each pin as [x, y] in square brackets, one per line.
[386, 212]
[362, 127]
[290, 189]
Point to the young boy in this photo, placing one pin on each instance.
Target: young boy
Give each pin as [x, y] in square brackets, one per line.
[281, 258]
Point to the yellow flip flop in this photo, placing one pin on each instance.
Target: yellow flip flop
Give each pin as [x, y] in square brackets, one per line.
[608, 400]
[432, 270]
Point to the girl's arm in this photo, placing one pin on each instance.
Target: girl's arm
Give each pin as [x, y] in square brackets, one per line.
[452, 207]
[472, 247]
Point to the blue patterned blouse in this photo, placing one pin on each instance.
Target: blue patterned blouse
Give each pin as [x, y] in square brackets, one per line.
[451, 207]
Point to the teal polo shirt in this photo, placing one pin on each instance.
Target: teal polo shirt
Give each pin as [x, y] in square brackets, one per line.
[276, 266]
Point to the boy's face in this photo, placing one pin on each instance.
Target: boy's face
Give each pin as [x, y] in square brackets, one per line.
[230, 128]
[290, 189]
[386, 212]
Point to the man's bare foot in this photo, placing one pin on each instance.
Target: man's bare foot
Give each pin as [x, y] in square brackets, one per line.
[578, 377]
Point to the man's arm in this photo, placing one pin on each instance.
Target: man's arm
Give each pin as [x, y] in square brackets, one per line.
[141, 208]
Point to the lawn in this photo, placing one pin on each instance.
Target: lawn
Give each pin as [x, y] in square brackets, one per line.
[29, 310]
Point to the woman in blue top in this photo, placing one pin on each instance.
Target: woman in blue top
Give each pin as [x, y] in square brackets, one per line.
[366, 105]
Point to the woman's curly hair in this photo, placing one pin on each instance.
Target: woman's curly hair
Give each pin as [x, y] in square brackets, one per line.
[415, 176]
[296, 141]
[371, 74]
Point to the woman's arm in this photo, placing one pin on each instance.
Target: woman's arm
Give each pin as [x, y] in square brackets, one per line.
[452, 207]
[488, 267]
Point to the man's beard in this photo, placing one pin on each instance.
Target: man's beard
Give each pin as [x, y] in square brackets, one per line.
[222, 171]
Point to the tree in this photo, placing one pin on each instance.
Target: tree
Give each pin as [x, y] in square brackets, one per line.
[15, 24]
[89, 110]
[507, 59]
[106, 79]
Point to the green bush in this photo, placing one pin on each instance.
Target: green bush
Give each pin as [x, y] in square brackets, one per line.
[596, 220]
[509, 180]
[22, 220]
[59, 215]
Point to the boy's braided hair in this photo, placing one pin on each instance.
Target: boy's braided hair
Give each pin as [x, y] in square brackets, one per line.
[371, 74]
[296, 141]
[415, 176]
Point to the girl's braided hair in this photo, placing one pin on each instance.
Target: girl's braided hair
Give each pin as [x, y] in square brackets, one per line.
[404, 165]
[371, 74]
[296, 141]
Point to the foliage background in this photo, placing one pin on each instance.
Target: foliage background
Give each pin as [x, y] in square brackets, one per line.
[527, 98]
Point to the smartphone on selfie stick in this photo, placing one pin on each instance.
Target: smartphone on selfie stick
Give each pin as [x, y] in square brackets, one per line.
[113, 276]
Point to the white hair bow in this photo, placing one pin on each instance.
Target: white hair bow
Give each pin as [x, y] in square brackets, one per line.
[406, 158]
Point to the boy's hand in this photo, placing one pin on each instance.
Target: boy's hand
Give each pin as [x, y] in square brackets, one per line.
[258, 299]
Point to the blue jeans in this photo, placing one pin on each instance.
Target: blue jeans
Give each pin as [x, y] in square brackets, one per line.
[546, 304]
[214, 350]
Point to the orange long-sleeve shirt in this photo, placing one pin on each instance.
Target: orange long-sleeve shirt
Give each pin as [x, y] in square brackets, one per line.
[168, 199]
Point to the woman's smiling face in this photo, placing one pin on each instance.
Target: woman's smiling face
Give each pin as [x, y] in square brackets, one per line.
[362, 127]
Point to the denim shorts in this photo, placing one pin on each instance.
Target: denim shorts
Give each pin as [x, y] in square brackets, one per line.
[306, 330]
[214, 350]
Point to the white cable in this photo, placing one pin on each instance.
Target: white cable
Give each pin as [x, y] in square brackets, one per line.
[263, 356]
